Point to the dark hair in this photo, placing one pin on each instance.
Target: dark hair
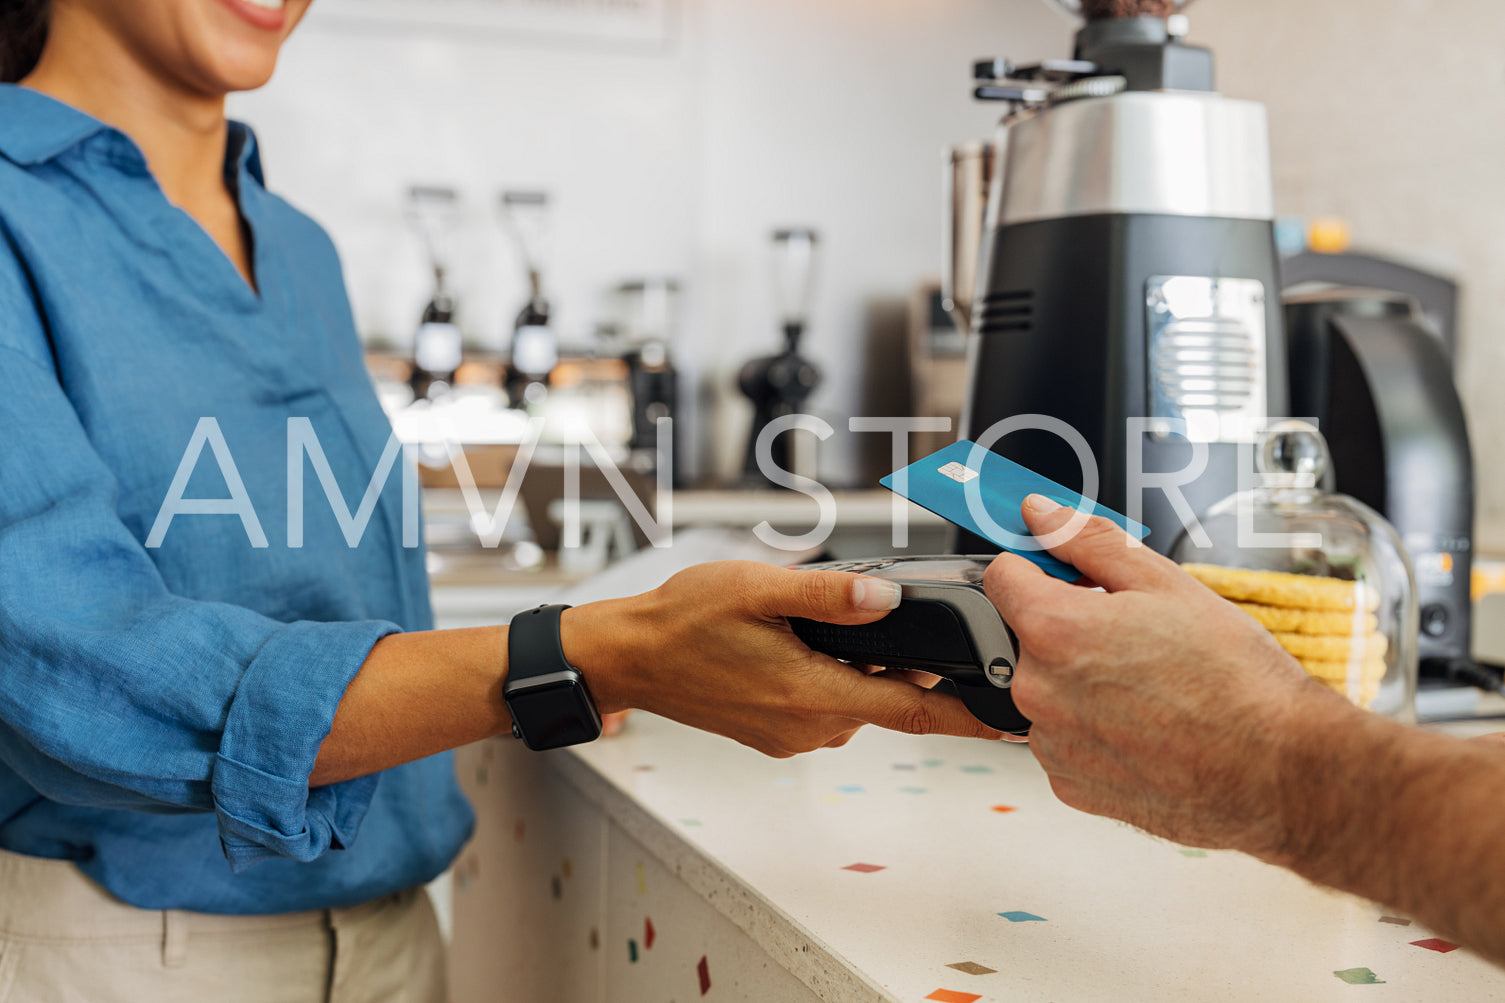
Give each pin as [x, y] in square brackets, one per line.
[23, 32]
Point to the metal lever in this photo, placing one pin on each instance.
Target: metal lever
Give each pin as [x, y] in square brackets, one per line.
[1016, 95]
[1055, 70]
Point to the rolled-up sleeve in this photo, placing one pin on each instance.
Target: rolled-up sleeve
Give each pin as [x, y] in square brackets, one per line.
[114, 692]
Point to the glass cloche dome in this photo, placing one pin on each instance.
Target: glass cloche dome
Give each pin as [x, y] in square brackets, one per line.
[1325, 573]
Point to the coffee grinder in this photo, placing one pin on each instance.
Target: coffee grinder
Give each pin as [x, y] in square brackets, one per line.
[1127, 305]
[437, 344]
[779, 385]
[649, 309]
[535, 347]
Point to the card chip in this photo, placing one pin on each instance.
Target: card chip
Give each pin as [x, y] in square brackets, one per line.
[958, 473]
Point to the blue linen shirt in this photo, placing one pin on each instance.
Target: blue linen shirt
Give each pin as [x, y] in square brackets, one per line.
[161, 708]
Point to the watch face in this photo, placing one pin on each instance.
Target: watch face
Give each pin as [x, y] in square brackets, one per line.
[554, 714]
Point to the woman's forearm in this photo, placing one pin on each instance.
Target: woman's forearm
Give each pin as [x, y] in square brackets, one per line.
[416, 695]
[423, 693]
[710, 648]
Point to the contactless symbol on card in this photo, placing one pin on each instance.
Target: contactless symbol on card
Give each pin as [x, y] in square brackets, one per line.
[957, 472]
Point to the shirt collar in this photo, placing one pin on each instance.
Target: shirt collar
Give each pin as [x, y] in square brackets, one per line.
[242, 153]
[36, 127]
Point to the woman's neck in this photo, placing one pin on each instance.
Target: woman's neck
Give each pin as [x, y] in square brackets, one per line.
[181, 132]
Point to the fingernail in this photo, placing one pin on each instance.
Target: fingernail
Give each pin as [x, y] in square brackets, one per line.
[1040, 505]
[875, 593]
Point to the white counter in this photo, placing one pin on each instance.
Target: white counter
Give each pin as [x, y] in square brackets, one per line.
[984, 886]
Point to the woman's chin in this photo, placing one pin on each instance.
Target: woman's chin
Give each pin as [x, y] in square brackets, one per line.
[228, 71]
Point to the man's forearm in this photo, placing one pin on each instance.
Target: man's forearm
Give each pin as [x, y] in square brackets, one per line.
[1413, 820]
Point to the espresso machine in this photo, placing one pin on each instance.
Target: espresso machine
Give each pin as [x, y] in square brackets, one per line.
[1126, 307]
[1378, 377]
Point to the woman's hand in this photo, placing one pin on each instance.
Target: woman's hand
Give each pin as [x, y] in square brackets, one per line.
[1155, 702]
[711, 648]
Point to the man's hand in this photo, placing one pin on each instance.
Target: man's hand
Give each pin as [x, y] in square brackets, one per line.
[711, 648]
[1156, 701]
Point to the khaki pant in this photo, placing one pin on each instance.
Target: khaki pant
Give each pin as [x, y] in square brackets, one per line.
[64, 939]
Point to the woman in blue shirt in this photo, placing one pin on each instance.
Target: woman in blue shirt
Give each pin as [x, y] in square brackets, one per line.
[203, 718]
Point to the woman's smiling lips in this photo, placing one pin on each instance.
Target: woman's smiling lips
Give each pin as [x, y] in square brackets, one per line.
[264, 14]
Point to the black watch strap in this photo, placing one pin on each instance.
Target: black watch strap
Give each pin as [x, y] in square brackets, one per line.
[547, 697]
[534, 647]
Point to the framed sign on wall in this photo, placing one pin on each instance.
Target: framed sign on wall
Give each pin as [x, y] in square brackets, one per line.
[630, 23]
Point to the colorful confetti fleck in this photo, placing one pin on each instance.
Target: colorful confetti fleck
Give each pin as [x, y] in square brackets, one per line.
[1019, 916]
[1435, 944]
[564, 867]
[933, 763]
[1193, 853]
[1397, 920]
[704, 971]
[644, 767]
[689, 822]
[972, 968]
[864, 868]
[977, 769]
[1004, 809]
[832, 798]
[642, 881]
[632, 951]
[467, 871]
[952, 996]
[1359, 977]
[852, 789]
[914, 790]
[649, 933]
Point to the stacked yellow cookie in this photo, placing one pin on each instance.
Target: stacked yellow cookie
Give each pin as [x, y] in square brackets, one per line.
[1327, 624]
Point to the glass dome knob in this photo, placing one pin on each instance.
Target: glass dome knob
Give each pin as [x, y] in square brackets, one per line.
[1292, 453]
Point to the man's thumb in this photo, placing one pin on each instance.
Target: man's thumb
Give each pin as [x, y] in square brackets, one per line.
[1099, 548]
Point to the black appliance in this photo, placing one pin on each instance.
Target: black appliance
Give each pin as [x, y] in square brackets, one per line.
[779, 385]
[1128, 290]
[1378, 380]
[535, 346]
[438, 345]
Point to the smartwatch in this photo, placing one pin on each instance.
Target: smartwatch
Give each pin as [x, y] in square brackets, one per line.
[546, 695]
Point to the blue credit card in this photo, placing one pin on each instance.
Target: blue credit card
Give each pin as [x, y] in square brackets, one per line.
[981, 492]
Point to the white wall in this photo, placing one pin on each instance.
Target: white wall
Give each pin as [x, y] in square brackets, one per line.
[835, 113]
[832, 113]
[759, 113]
[1390, 113]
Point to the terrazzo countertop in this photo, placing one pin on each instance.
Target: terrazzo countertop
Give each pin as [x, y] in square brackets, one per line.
[905, 868]
[936, 869]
